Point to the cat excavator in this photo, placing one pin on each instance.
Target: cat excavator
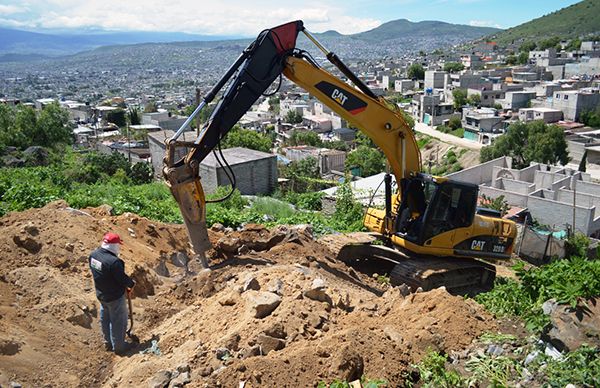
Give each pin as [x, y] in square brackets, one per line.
[432, 231]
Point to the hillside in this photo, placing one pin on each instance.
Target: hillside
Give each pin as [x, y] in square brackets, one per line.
[578, 19]
[402, 28]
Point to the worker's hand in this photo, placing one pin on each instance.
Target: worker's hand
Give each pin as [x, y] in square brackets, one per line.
[129, 290]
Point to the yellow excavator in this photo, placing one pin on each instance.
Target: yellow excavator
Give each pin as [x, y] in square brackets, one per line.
[431, 228]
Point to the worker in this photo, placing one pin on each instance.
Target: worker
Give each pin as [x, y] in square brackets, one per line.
[111, 285]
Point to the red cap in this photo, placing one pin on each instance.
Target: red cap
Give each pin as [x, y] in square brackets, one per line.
[111, 238]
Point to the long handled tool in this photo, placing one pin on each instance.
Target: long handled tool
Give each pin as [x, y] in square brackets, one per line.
[134, 338]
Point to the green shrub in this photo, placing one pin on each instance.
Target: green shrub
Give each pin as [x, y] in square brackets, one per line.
[580, 367]
[433, 373]
[564, 280]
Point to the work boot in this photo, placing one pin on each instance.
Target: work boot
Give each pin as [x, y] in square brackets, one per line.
[127, 347]
[108, 347]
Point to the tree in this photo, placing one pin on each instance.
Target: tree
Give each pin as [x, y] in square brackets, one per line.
[498, 106]
[511, 60]
[308, 138]
[523, 58]
[549, 43]
[527, 46]
[454, 123]
[141, 173]
[370, 160]
[582, 164]
[53, 127]
[460, 98]
[534, 141]
[293, 117]
[151, 107]
[474, 99]
[363, 140]
[133, 114]
[574, 44]
[416, 71]
[453, 67]
[499, 203]
[274, 104]
[117, 117]
[301, 172]
[591, 118]
[239, 137]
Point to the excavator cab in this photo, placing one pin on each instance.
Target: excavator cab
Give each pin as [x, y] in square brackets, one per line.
[432, 206]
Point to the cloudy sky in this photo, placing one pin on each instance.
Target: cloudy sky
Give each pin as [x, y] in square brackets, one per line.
[248, 17]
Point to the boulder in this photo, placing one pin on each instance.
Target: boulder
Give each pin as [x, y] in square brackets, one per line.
[268, 344]
[251, 284]
[160, 379]
[181, 380]
[318, 292]
[572, 327]
[27, 243]
[348, 364]
[263, 303]
[36, 156]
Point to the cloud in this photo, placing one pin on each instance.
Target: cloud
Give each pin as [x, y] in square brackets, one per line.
[483, 23]
[9, 9]
[231, 17]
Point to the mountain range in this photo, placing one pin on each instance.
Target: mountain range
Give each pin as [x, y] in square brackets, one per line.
[25, 44]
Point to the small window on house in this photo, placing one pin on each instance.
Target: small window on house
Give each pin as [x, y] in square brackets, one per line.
[557, 95]
[566, 96]
[485, 97]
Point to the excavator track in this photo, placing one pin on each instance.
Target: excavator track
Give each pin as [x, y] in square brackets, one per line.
[460, 276]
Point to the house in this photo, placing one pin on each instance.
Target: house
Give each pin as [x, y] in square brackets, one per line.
[430, 109]
[255, 171]
[471, 61]
[328, 159]
[404, 85]
[488, 97]
[482, 124]
[42, 102]
[435, 79]
[548, 115]
[164, 119]
[515, 100]
[573, 103]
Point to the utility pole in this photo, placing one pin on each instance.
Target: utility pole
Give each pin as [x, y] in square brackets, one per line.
[198, 103]
[574, 200]
[128, 144]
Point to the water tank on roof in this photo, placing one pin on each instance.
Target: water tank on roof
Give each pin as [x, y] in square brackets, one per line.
[429, 91]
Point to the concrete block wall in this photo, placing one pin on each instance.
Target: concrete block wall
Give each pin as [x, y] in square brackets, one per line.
[587, 188]
[514, 199]
[557, 214]
[481, 173]
[253, 177]
[528, 173]
[516, 186]
[582, 199]
[564, 182]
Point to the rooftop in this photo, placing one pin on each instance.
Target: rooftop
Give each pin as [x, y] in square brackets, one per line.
[237, 155]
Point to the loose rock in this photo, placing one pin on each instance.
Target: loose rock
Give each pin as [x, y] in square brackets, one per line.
[263, 303]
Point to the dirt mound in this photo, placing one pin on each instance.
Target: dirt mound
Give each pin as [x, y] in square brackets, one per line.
[276, 308]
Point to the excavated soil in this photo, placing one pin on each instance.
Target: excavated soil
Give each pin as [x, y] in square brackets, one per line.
[276, 309]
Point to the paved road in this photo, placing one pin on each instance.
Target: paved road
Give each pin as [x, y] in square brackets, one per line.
[445, 137]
